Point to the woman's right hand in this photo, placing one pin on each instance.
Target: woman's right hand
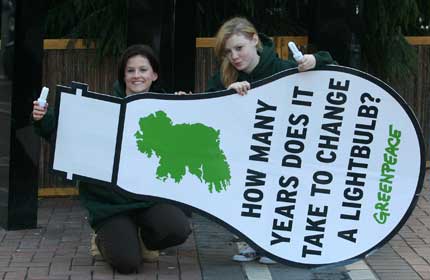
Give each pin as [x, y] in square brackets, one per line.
[307, 62]
[240, 87]
[38, 111]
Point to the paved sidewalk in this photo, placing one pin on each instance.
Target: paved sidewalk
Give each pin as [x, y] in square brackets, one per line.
[407, 255]
[59, 249]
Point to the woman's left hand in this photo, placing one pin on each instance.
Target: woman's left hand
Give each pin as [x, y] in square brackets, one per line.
[308, 62]
[182, 92]
[240, 87]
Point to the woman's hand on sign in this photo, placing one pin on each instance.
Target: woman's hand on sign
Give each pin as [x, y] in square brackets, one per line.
[182, 92]
[307, 62]
[38, 111]
[240, 87]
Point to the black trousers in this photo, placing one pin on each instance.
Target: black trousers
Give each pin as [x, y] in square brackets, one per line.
[161, 226]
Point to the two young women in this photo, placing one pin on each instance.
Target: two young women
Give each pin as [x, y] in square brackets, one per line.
[122, 224]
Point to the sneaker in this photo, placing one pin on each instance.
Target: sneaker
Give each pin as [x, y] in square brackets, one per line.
[94, 250]
[148, 256]
[235, 238]
[246, 254]
[266, 260]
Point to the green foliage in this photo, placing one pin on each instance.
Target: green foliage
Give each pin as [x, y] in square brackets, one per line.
[384, 46]
[421, 24]
[272, 17]
[60, 20]
[103, 22]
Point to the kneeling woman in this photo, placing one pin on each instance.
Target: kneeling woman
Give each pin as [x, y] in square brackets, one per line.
[125, 227]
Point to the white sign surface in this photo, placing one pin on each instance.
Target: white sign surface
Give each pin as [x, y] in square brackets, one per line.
[312, 168]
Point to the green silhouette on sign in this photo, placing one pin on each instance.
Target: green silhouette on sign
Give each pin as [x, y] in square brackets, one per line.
[182, 146]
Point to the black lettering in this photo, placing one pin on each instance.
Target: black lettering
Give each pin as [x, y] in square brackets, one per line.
[360, 151]
[366, 137]
[297, 92]
[278, 239]
[353, 194]
[300, 118]
[262, 153]
[368, 111]
[263, 137]
[314, 239]
[291, 181]
[292, 161]
[338, 85]
[264, 122]
[286, 196]
[354, 179]
[333, 128]
[286, 211]
[326, 142]
[323, 177]
[294, 146]
[329, 159]
[253, 195]
[251, 210]
[306, 251]
[354, 217]
[348, 235]
[264, 107]
[282, 226]
[255, 178]
[333, 113]
[338, 99]
[296, 133]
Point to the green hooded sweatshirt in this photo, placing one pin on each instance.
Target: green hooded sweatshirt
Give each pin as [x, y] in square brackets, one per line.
[268, 65]
[101, 202]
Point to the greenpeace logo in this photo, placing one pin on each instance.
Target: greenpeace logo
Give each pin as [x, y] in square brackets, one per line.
[387, 176]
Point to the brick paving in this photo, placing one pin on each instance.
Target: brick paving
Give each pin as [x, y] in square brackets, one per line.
[407, 255]
[59, 249]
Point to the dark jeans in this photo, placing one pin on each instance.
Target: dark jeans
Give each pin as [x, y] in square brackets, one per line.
[161, 226]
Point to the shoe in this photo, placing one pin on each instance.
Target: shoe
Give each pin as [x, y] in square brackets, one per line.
[246, 254]
[94, 250]
[235, 238]
[266, 260]
[148, 256]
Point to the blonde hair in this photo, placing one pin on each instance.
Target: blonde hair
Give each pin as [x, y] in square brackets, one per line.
[234, 26]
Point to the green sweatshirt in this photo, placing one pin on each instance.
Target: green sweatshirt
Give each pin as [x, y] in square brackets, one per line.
[268, 65]
[101, 201]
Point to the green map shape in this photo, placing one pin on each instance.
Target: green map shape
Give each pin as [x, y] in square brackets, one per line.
[182, 146]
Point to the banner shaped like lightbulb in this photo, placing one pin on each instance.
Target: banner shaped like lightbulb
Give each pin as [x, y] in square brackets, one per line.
[310, 168]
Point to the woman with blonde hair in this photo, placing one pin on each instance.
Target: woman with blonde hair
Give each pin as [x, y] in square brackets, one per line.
[246, 56]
